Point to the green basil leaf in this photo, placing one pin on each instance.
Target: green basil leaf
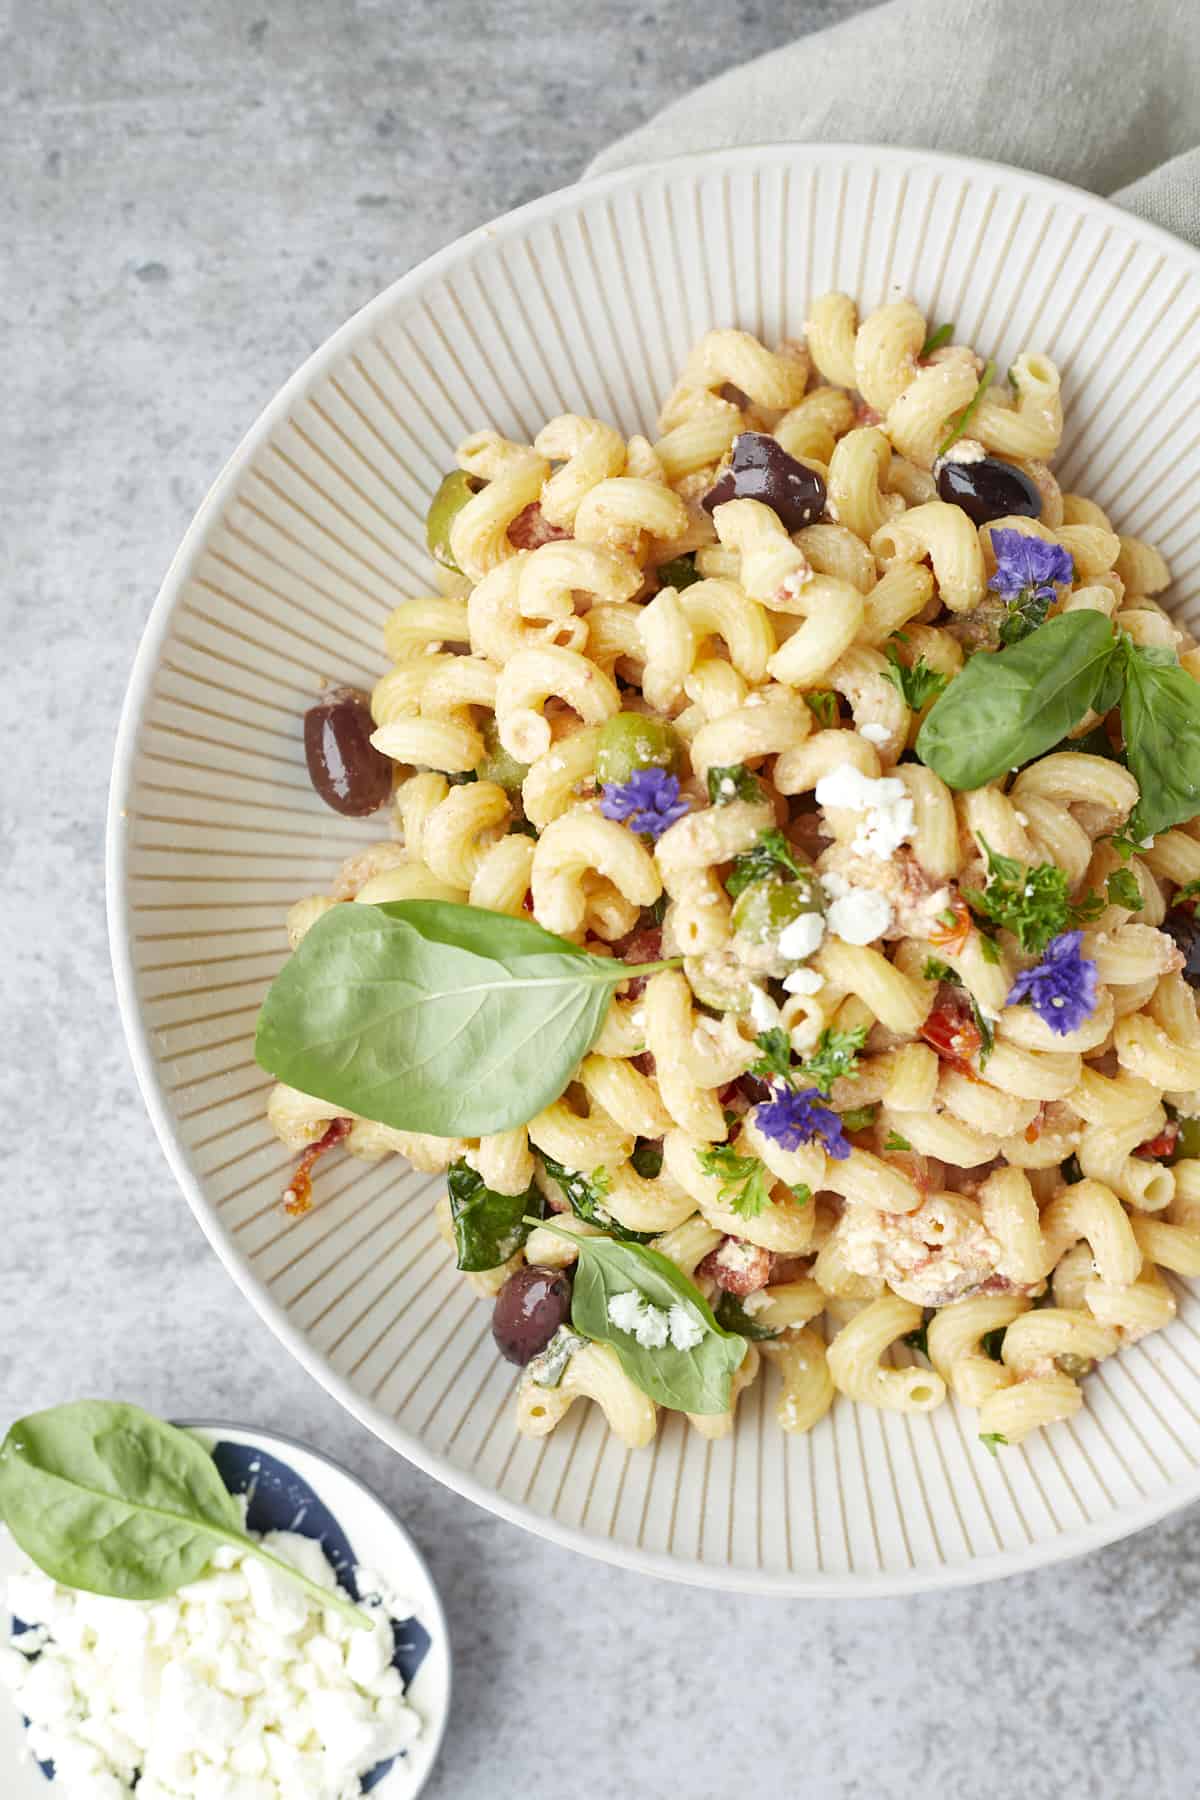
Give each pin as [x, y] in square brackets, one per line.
[731, 1315]
[105, 1497]
[429, 1016]
[696, 1380]
[488, 1227]
[1160, 717]
[1005, 709]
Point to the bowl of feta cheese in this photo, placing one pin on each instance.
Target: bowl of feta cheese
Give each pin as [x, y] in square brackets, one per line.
[243, 1683]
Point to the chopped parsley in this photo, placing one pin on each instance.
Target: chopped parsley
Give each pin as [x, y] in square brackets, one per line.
[776, 1058]
[822, 703]
[894, 1141]
[836, 1054]
[732, 782]
[859, 1118]
[918, 685]
[745, 1183]
[1033, 904]
[937, 970]
[771, 852]
[1189, 891]
[993, 1439]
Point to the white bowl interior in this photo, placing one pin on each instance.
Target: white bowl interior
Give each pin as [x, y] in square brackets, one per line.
[588, 301]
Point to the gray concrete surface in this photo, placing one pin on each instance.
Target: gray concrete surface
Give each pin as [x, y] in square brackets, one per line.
[192, 197]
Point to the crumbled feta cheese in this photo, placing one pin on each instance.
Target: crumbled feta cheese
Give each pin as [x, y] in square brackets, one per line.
[801, 937]
[874, 732]
[803, 981]
[654, 1326]
[965, 450]
[860, 916]
[686, 1332]
[754, 1303]
[889, 817]
[763, 1011]
[238, 1687]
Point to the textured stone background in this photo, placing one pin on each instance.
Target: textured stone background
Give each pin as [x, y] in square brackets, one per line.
[192, 198]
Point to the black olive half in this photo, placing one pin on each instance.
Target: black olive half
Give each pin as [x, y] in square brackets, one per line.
[761, 469]
[989, 489]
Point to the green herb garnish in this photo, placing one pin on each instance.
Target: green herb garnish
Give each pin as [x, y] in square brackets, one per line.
[431, 1016]
[958, 425]
[488, 1227]
[936, 339]
[993, 1439]
[731, 1315]
[776, 1058]
[585, 1196]
[860, 1118]
[918, 685]
[745, 1183]
[1033, 904]
[894, 1141]
[836, 1054]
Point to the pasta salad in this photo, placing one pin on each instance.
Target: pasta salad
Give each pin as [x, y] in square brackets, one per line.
[786, 940]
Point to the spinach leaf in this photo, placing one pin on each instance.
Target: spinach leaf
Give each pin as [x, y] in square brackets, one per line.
[1005, 709]
[769, 853]
[731, 1315]
[647, 1158]
[696, 1380]
[585, 1194]
[488, 1227]
[105, 1497]
[732, 781]
[1160, 717]
[548, 1368]
[429, 1016]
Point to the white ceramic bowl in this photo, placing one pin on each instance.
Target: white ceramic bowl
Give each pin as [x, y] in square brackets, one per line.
[293, 1487]
[588, 301]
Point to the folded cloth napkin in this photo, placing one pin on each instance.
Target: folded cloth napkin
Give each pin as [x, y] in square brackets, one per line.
[1096, 92]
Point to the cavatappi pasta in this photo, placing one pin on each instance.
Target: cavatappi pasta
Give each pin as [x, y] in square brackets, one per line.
[917, 1111]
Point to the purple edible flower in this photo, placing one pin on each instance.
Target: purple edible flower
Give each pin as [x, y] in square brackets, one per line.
[794, 1118]
[1028, 567]
[1062, 988]
[648, 802]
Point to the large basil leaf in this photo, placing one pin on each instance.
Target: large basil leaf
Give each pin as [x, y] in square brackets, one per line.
[1005, 709]
[694, 1381]
[488, 1227]
[1160, 717]
[434, 1017]
[104, 1496]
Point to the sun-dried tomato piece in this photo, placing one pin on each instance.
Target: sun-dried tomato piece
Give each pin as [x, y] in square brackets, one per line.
[737, 1267]
[1163, 1144]
[951, 1030]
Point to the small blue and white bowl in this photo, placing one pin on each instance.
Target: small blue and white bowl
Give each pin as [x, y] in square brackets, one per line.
[292, 1487]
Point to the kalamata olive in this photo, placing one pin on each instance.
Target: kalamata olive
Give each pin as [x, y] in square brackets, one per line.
[989, 489]
[761, 469]
[530, 1307]
[343, 765]
[1182, 925]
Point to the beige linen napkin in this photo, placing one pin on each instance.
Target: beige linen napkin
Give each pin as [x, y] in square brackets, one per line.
[1102, 93]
